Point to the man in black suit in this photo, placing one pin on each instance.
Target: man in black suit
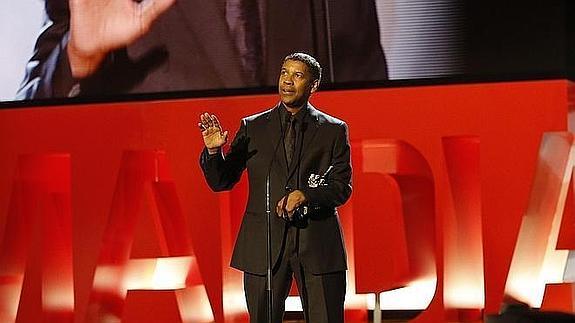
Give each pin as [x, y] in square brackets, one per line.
[307, 155]
[93, 48]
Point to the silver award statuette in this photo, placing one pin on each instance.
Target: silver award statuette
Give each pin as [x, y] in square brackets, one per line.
[315, 180]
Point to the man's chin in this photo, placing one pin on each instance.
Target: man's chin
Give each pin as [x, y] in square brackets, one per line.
[291, 103]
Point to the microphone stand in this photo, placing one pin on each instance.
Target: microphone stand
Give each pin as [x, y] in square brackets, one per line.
[269, 288]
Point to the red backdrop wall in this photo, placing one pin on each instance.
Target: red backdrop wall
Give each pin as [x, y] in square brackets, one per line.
[506, 120]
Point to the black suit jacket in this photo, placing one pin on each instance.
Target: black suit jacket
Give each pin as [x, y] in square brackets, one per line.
[324, 143]
[190, 47]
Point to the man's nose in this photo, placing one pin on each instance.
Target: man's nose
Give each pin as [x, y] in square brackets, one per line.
[288, 80]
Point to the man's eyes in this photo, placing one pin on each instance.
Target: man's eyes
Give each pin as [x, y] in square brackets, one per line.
[298, 75]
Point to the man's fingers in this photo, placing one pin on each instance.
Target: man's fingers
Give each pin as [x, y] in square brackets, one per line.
[285, 213]
[215, 119]
[206, 120]
[209, 119]
[289, 203]
[150, 10]
[279, 209]
[282, 208]
[216, 122]
[203, 124]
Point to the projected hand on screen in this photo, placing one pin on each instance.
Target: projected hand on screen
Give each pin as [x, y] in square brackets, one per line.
[214, 138]
[98, 27]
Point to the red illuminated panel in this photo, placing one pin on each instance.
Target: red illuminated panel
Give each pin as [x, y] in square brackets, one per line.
[509, 118]
[231, 209]
[559, 297]
[36, 279]
[394, 238]
[535, 259]
[463, 276]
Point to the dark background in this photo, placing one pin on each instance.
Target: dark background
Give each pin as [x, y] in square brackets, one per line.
[520, 39]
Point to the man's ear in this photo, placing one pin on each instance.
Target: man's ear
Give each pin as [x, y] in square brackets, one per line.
[314, 86]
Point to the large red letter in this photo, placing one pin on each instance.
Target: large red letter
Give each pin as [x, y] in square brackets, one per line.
[145, 174]
[36, 280]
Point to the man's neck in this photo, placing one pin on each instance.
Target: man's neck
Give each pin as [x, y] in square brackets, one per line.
[294, 110]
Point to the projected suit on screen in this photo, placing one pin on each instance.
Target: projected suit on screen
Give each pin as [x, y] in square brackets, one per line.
[122, 46]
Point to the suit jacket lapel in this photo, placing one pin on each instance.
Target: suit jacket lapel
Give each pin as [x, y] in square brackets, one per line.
[216, 41]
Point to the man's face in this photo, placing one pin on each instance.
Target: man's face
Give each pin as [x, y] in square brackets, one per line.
[295, 84]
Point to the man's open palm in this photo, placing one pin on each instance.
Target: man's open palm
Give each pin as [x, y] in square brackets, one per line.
[100, 26]
[212, 132]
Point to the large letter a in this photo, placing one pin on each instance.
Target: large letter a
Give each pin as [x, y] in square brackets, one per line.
[144, 175]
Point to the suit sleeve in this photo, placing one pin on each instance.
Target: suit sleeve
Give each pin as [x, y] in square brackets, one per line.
[223, 172]
[337, 188]
[48, 72]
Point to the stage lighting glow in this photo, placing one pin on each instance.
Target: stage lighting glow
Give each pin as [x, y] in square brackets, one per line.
[466, 290]
[106, 277]
[293, 304]
[194, 305]
[10, 292]
[235, 302]
[171, 273]
[157, 273]
[417, 295]
[58, 297]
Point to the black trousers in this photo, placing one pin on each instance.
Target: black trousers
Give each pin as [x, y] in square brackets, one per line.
[322, 296]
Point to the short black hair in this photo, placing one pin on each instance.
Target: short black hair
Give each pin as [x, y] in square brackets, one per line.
[310, 61]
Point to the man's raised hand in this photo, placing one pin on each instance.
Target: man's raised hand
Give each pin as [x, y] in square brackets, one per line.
[212, 132]
[99, 26]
